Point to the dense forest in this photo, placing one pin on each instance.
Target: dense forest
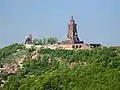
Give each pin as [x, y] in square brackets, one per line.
[96, 69]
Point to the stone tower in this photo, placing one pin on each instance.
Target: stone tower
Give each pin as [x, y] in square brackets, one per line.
[72, 32]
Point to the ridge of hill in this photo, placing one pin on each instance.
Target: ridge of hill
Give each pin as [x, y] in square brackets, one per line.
[57, 69]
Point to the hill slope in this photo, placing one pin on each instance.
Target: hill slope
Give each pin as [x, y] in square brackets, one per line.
[46, 69]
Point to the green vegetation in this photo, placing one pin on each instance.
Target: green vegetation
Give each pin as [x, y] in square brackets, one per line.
[96, 69]
[43, 41]
[8, 51]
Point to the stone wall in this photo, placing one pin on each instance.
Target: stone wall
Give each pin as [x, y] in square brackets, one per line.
[63, 46]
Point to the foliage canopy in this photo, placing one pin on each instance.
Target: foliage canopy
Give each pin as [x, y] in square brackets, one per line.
[96, 69]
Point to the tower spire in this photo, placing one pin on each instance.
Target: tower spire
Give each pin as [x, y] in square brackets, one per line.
[72, 32]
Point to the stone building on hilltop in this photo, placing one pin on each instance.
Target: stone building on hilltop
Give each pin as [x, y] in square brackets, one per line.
[72, 41]
[72, 36]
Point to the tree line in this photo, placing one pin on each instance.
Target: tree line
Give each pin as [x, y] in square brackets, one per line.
[42, 41]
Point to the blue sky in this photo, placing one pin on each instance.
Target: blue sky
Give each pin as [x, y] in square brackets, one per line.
[98, 20]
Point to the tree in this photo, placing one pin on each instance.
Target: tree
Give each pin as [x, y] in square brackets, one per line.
[37, 41]
[44, 40]
[51, 40]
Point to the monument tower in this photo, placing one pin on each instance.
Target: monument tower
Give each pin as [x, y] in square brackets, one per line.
[72, 32]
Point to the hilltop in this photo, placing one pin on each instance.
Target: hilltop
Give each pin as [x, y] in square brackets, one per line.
[58, 69]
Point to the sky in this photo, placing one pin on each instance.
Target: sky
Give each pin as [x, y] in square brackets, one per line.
[98, 21]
